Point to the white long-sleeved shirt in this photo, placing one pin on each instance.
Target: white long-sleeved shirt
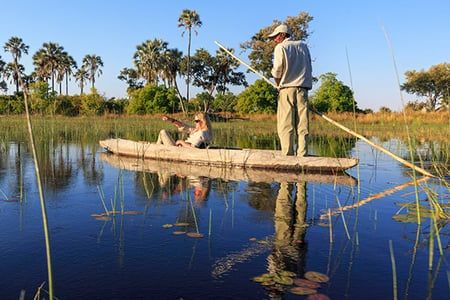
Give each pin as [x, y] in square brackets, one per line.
[292, 64]
[196, 137]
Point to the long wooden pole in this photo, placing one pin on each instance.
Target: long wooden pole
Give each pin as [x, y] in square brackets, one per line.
[405, 162]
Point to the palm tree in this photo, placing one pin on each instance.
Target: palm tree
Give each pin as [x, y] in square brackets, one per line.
[171, 69]
[60, 69]
[3, 85]
[39, 59]
[65, 66]
[92, 64]
[189, 19]
[47, 61]
[148, 59]
[13, 73]
[81, 76]
[16, 47]
[2, 65]
[131, 77]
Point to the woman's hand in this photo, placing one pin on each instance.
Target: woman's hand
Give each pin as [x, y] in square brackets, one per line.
[181, 143]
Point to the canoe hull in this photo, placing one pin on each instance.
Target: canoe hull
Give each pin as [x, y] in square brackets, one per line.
[242, 158]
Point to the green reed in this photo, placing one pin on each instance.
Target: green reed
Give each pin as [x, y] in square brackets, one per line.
[434, 219]
[193, 211]
[210, 223]
[119, 195]
[39, 185]
[4, 195]
[102, 199]
[394, 270]
[233, 133]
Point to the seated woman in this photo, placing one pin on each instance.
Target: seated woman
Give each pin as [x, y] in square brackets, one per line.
[200, 136]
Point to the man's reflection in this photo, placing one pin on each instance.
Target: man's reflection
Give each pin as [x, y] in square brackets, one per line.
[289, 245]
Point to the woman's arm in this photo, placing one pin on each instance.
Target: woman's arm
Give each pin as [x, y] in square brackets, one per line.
[182, 143]
[173, 121]
[182, 127]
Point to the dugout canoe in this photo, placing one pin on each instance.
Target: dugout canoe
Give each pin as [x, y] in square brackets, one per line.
[228, 157]
[170, 168]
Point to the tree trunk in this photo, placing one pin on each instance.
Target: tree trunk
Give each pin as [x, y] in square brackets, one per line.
[188, 66]
[67, 84]
[53, 82]
[180, 97]
[17, 85]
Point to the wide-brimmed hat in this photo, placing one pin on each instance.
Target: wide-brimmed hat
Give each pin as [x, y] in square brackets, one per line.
[280, 29]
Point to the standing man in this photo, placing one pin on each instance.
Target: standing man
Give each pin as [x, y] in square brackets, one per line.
[292, 72]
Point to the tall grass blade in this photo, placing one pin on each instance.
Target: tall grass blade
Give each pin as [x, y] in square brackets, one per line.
[210, 222]
[102, 198]
[343, 219]
[193, 212]
[394, 270]
[39, 183]
[331, 226]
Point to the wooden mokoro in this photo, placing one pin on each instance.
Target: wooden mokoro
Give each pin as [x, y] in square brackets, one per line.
[241, 158]
[169, 168]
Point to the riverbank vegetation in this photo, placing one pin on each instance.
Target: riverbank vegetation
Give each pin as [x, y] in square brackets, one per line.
[424, 127]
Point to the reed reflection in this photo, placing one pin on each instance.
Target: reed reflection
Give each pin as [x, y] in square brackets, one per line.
[289, 244]
[199, 186]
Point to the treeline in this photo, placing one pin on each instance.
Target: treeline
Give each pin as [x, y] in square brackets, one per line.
[150, 99]
[153, 87]
[259, 97]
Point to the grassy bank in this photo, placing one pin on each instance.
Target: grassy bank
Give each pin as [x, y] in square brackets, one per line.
[434, 126]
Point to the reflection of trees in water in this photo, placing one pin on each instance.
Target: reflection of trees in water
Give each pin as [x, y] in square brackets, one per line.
[261, 196]
[157, 186]
[223, 187]
[429, 151]
[18, 186]
[87, 161]
[55, 163]
[15, 179]
[331, 146]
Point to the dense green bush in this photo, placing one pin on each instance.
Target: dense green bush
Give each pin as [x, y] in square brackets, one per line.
[260, 97]
[332, 95]
[92, 104]
[225, 102]
[11, 104]
[153, 99]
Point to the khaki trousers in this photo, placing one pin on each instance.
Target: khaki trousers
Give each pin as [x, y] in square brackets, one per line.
[165, 138]
[292, 120]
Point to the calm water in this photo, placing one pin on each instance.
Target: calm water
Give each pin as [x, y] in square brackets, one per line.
[251, 223]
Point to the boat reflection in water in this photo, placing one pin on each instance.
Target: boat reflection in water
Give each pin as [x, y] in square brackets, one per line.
[168, 168]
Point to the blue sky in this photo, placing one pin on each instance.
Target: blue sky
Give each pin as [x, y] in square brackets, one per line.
[347, 37]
